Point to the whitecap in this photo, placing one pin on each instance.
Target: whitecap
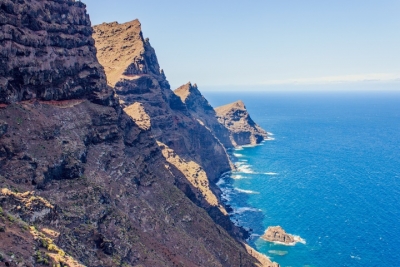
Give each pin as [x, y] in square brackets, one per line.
[237, 164]
[220, 182]
[250, 145]
[355, 257]
[246, 209]
[246, 191]
[297, 239]
[269, 133]
[237, 177]
[238, 155]
[269, 139]
[245, 169]
[271, 173]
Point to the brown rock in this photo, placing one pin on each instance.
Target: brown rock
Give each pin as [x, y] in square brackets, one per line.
[172, 125]
[200, 109]
[277, 234]
[244, 131]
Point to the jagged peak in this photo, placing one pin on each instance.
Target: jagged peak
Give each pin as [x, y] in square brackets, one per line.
[235, 105]
[124, 52]
[187, 90]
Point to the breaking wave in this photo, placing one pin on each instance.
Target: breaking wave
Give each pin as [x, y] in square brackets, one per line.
[246, 191]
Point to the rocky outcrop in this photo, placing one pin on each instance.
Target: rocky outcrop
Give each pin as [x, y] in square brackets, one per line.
[200, 109]
[244, 131]
[47, 53]
[277, 234]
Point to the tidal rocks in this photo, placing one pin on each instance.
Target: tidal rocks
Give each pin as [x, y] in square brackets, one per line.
[244, 131]
[277, 234]
[47, 53]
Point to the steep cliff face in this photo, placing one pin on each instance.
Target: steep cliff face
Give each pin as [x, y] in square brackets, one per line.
[197, 156]
[82, 184]
[200, 109]
[243, 130]
[109, 195]
[47, 53]
[137, 77]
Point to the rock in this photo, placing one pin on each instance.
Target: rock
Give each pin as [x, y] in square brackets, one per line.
[244, 131]
[200, 109]
[277, 234]
[47, 56]
[186, 142]
[138, 114]
[3, 128]
[80, 169]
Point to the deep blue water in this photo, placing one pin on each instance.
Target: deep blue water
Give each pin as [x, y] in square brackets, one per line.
[331, 175]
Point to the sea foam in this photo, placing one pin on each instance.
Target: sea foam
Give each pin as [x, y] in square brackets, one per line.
[270, 173]
[244, 168]
[246, 209]
[246, 191]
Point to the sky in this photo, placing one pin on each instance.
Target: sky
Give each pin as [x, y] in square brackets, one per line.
[268, 44]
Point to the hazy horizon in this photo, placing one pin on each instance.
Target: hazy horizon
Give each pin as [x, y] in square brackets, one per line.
[268, 44]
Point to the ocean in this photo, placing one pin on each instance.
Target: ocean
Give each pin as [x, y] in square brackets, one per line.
[330, 174]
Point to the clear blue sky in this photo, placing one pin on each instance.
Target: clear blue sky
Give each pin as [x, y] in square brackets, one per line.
[265, 43]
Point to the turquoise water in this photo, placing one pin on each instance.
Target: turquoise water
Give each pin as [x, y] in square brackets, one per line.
[331, 175]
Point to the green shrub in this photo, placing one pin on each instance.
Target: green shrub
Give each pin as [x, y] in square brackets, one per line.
[41, 258]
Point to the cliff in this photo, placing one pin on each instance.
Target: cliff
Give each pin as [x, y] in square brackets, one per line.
[197, 156]
[243, 130]
[47, 53]
[83, 181]
[200, 109]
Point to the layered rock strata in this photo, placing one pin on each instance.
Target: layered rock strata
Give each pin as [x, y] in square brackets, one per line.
[132, 67]
[200, 109]
[84, 183]
[47, 53]
[243, 130]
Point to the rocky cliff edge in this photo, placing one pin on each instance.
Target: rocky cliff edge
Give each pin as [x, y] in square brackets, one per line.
[243, 130]
[200, 109]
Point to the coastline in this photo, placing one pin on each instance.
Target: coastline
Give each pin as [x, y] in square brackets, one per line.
[225, 194]
[224, 198]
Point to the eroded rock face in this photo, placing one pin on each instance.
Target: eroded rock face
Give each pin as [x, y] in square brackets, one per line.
[47, 53]
[244, 131]
[172, 124]
[277, 234]
[200, 109]
[137, 78]
[94, 183]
